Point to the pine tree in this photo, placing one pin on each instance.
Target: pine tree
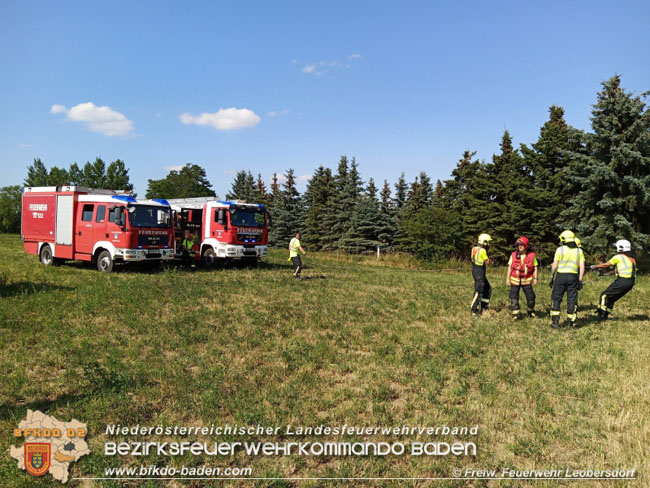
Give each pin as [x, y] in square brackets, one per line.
[117, 176]
[319, 191]
[261, 195]
[399, 206]
[463, 195]
[94, 174]
[57, 176]
[363, 232]
[511, 212]
[243, 188]
[36, 174]
[386, 231]
[337, 217]
[288, 212]
[612, 178]
[547, 160]
[75, 175]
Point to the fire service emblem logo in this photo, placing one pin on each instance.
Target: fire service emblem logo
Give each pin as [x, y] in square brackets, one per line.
[37, 458]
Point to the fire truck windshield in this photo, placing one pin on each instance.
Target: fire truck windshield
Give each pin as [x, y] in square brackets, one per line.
[247, 218]
[149, 216]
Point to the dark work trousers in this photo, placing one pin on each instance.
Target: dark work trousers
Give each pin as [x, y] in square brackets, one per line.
[482, 289]
[618, 289]
[297, 266]
[565, 283]
[514, 297]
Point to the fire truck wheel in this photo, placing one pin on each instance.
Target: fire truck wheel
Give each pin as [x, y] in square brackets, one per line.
[46, 255]
[105, 262]
[208, 257]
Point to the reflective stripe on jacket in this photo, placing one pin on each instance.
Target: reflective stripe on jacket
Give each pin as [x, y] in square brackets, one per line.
[625, 266]
[479, 255]
[522, 270]
[568, 259]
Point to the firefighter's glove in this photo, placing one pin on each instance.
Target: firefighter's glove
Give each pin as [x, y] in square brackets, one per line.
[551, 282]
[581, 285]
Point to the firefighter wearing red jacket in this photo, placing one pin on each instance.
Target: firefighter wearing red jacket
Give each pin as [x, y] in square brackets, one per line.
[522, 275]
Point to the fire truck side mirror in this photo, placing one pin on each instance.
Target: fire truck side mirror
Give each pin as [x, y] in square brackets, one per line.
[221, 217]
[119, 216]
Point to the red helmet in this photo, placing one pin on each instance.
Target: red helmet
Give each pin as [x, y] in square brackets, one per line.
[522, 240]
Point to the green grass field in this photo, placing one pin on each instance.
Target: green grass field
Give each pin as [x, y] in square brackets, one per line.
[358, 342]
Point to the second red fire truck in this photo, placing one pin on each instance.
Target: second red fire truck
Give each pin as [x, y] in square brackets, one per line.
[223, 230]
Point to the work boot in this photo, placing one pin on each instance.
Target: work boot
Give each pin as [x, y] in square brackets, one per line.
[571, 324]
[602, 315]
[555, 322]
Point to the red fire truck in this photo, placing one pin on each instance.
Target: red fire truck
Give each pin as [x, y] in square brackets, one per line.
[223, 231]
[102, 226]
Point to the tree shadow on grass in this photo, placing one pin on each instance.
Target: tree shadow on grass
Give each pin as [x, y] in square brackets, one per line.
[28, 288]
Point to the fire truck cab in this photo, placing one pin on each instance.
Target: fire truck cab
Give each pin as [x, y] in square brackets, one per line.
[223, 230]
[61, 223]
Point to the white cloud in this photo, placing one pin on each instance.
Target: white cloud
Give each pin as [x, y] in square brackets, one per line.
[303, 178]
[355, 56]
[230, 172]
[25, 146]
[225, 119]
[273, 113]
[322, 67]
[178, 167]
[309, 69]
[103, 120]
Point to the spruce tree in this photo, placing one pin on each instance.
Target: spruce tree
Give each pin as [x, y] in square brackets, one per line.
[463, 195]
[57, 176]
[363, 232]
[261, 195]
[399, 207]
[117, 176]
[243, 188]
[339, 207]
[386, 232]
[320, 190]
[611, 180]
[547, 160]
[94, 174]
[36, 174]
[288, 212]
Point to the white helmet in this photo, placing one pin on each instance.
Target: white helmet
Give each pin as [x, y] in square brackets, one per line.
[484, 239]
[623, 245]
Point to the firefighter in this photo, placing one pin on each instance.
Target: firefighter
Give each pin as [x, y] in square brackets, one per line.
[569, 263]
[188, 249]
[625, 264]
[522, 275]
[294, 247]
[482, 288]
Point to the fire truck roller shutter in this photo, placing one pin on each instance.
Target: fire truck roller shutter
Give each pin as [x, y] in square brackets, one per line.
[64, 218]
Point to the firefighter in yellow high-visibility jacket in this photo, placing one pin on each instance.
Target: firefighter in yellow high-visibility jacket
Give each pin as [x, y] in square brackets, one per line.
[482, 288]
[625, 264]
[569, 263]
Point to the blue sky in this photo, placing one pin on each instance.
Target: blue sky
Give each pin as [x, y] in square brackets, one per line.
[266, 86]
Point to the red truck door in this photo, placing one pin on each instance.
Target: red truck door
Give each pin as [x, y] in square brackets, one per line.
[84, 237]
[99, 228]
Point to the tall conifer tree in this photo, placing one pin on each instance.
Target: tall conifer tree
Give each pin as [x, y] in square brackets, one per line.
[612, 180]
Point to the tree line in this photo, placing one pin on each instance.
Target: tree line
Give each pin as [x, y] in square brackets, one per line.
[596, 183]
